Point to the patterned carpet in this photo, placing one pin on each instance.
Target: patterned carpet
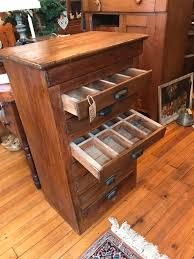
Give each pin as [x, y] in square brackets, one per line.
[109, 246]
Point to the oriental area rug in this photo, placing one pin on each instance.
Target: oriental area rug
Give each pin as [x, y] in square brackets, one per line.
[122, 242]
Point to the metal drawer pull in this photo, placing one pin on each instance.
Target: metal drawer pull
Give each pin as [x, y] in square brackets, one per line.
[137, 154]
[106, 111]
[121, 94]
[110, 180]
[6, 123]
[109, 196]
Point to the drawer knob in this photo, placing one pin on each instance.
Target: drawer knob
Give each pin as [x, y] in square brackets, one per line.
[106, 111]
[110, 180]
[121, 94]
[138, 1]
[137, 154]
[109, 196]
[98, 4]
[5, 123]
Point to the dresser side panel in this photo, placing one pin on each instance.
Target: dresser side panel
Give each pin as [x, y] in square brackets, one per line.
[33, 102]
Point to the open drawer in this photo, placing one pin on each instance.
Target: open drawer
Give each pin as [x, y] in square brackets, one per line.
[105, 92]
[104, 150]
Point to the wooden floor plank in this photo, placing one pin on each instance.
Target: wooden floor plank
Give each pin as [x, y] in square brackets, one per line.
[9, 254]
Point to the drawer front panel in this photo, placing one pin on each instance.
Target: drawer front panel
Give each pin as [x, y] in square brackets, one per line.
[77, 127]
[97, 191]
[83, 180]
[63, 73]
[95, 211]
[124, 6]
[105, 149]
[106, 92]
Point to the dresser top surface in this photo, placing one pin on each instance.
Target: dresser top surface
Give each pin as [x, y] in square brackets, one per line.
[52, 52]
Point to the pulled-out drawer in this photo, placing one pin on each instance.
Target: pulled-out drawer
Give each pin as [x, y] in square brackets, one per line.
[104, 150]
[106, 92]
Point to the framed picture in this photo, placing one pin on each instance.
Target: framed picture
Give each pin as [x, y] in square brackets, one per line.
[174, 97]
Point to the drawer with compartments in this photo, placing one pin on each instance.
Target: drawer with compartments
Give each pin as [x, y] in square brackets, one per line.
[106, 92]
[105, 149]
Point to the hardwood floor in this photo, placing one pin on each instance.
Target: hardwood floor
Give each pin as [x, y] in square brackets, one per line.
[161, 208]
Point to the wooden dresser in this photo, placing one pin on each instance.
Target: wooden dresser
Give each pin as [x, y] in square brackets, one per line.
[84, 167]
[165, 21]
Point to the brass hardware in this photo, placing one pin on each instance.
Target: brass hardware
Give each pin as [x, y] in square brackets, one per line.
[138, 1]
[98, 4]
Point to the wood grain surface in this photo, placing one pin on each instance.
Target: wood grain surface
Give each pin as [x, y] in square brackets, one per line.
[66, 49]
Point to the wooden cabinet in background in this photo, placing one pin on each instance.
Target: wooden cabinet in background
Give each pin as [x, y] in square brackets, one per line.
[85, 167]
[12, 122]
[74, 16]
[165, 21]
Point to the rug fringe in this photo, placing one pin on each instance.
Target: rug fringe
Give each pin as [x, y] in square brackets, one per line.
[135, 241]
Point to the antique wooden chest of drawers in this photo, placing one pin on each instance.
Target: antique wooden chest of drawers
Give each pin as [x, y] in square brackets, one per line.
[85, 166]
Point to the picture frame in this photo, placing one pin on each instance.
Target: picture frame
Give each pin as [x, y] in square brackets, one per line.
[174, 97]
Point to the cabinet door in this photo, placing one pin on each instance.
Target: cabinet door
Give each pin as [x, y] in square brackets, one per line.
[154, 25]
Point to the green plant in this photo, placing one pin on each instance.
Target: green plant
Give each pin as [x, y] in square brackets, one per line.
[48, 14]
[44, 19]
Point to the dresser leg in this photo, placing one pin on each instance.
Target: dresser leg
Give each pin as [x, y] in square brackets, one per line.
[34, 174]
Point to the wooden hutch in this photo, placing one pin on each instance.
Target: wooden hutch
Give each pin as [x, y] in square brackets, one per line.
[165, 21]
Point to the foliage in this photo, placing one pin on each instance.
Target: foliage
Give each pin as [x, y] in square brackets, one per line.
[44, 19]
[48, 14]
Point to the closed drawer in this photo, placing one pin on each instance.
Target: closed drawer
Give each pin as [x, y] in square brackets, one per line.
[99, 190]
[105, 92]
[83, 180]
[63, 73]
[104, 150]
[123, 6]
[77, 127]
[96, 210]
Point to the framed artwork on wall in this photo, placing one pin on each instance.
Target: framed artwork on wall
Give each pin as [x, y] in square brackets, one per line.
[174, 97]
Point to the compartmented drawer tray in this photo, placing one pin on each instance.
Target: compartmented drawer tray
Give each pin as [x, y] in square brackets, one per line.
[105, 92]
[105, 149]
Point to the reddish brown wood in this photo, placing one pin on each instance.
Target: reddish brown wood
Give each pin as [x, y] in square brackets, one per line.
[7, 37]
[76, 47]
[38, 98]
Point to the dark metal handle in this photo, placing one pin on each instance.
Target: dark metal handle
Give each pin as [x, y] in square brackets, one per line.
[137, 154]
[110, 180]
[5, 123]
[106, 111]
[109, 196]
[121, 94]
